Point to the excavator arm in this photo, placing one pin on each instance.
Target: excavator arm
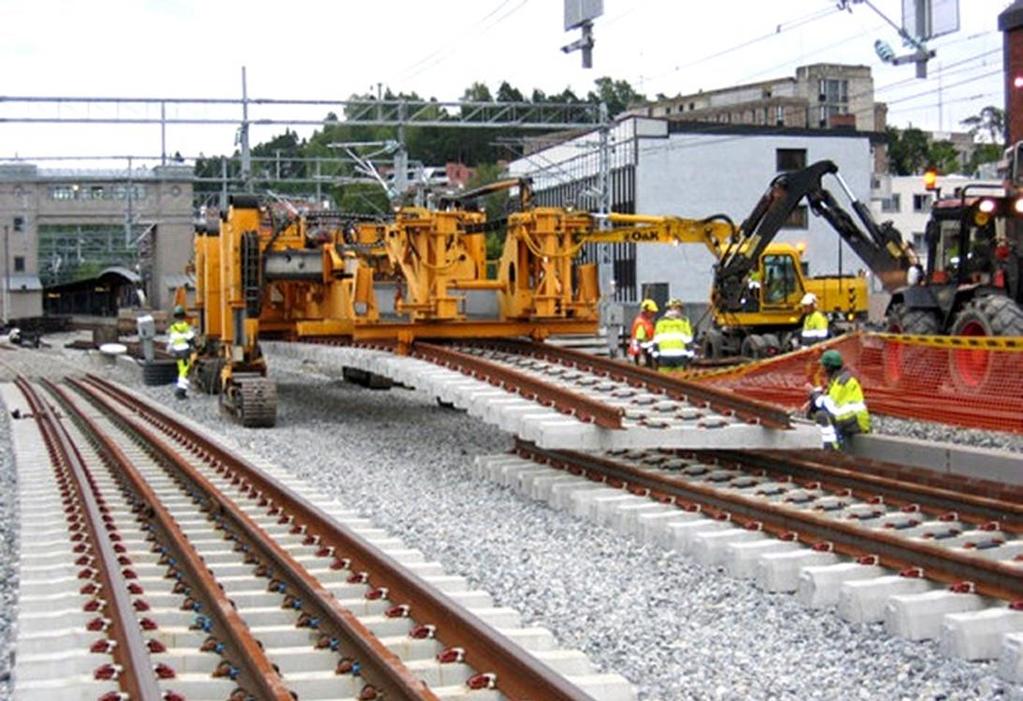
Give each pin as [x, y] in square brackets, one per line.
[880, 246]
[715, 232]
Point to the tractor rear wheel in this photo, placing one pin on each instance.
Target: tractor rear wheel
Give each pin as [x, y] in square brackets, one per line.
[990, 315]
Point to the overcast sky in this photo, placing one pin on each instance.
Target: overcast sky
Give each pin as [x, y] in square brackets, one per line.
[331, 49]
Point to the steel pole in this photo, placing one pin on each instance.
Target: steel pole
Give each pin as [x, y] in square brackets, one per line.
[7, 275]
[246, 155]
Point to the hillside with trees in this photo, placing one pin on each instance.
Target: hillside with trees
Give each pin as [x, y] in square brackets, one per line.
[432, 146]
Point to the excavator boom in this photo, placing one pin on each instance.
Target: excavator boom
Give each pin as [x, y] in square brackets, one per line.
[879, 245]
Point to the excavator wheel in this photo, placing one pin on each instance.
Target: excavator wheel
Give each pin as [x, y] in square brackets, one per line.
[712, 345]
[773, 344]
[978, 369]
[905, 366]
[754, 347]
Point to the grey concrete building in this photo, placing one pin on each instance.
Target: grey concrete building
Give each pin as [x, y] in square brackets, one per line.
[819, 96]
[695, 170]
[64, 225]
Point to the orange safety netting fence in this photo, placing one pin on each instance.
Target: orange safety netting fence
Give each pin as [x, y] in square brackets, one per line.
[976, 382]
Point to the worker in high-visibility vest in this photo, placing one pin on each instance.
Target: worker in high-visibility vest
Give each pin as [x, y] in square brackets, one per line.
[815, 324]
[181, 338]
[840, 410]
[641, 337]
[673, 336]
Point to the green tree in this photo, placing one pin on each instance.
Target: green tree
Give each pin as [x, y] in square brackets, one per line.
[617, 94]
[984, 153]
[496, 205]
[944, 156]
[506, 93]
[907, 150]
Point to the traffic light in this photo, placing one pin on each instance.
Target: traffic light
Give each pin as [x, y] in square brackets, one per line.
[884, 51]
[931, 179]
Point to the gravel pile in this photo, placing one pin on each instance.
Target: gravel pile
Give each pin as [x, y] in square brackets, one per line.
[674, 628]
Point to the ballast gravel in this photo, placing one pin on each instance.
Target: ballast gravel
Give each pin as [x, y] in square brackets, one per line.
[674, 628]
[943, 433]
[8, 555]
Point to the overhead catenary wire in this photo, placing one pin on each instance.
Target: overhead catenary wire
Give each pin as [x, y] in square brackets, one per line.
[454, 47]
[437, 52]
[779, 29]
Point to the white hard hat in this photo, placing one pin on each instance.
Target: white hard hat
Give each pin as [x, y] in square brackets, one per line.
[808, 299]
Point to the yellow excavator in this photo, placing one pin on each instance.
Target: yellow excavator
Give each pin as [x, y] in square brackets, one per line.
[759, 284]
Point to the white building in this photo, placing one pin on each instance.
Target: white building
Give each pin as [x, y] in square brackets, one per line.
[695, 170]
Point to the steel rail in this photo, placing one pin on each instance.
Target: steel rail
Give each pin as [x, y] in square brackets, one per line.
[137, 677]
[989, 578]
[565, 401]
[519, 675]
[832, 468]
[257, 670]
[721, 401]
[382, 669]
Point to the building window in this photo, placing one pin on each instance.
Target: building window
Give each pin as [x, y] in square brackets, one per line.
[918, 241]
[692, 106]
[797, 219]
[922, 203]
[891, 204]
[827, 112]
[779, 115]
[138, 192]
[62, 192]
[19, 225]
[789, 159]
[833, 91]
[19, 264]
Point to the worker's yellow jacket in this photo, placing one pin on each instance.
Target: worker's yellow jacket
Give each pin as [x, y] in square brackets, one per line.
[815, 327]
[844, 401]
[179, 337]
[672, 336]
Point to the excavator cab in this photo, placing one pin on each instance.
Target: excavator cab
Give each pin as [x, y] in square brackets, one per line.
[783, 281]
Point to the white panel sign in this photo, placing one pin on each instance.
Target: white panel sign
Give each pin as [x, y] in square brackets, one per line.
[944, 17]
[926, 19]
[578, 12]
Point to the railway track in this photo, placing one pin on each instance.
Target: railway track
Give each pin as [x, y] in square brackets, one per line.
[199, 575]
[560, 398]
[930, 560]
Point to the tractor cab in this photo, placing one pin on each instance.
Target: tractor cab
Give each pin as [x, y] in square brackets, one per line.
[969, 241]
